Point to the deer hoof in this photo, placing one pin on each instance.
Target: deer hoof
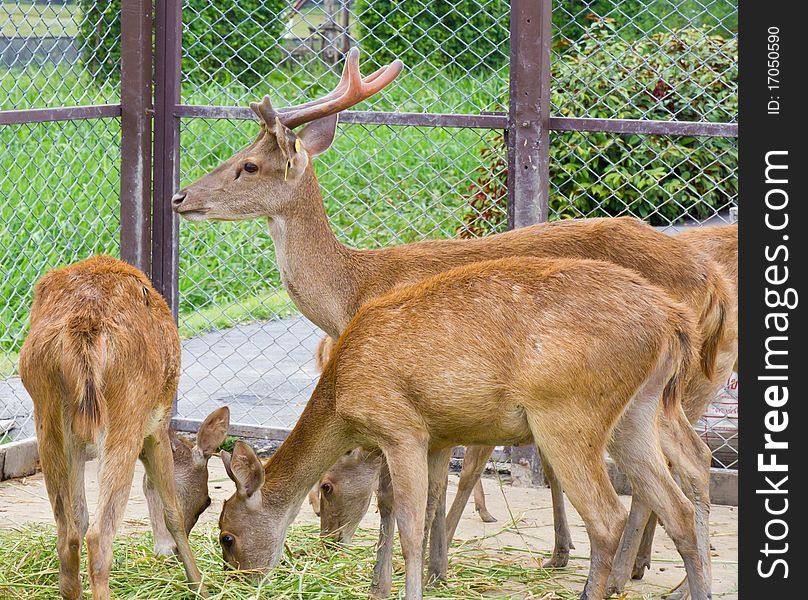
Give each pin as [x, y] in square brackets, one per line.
[559, 559]
[486, 516]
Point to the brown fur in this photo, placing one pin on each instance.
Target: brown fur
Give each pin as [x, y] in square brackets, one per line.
[524, 374]
[719, 243]
[101, 363]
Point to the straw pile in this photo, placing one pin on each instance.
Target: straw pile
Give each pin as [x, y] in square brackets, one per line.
[29, 570]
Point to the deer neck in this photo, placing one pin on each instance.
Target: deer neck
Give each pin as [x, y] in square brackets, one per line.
[315, 267]
[317, 441]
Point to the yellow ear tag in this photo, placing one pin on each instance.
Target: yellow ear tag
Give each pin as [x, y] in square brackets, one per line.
[286, 171]
[298, 145]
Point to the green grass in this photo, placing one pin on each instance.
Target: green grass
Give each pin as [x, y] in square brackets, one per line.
[224, 316]
[26, 19]
[308, 570]
[8, 364]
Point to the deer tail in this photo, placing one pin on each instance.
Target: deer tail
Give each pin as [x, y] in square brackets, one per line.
[713, 324]
[684, 351]
[82, 367]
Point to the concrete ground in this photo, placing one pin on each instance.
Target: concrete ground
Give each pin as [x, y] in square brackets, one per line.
[25, 501]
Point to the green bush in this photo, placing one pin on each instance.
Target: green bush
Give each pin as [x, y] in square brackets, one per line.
[641, 17]
[685, 75]
[468, 33]
[222, 40]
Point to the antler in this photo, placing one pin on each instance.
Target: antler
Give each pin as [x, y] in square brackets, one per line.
[351, 90]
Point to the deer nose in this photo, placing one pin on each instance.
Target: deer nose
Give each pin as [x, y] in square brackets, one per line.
[177, 199]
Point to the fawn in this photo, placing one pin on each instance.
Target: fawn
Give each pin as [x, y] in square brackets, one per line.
[101, 363]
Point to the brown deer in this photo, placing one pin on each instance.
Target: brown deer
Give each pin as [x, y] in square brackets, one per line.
[191, 479]
[342, 496]
[410, 378]
[720, 243]
[101, 363]
[274, 178]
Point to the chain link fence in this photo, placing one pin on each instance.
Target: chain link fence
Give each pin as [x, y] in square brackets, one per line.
[387, 179]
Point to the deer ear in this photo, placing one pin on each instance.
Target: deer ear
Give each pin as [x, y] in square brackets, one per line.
[318, 135]
[213, 431]
[245, 469]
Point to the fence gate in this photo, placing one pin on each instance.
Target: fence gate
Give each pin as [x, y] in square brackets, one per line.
[507, 114]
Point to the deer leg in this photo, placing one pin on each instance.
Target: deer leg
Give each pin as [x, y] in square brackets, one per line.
[159, 464]
[383, 568]
[474, 462]
[162, 540]
[577, 458]
[479, 456]
[643, 560]
[629, 544]
[55, 462]
[636, 448]
[409, 473]
[116, 471]
[479, 503]
[435, 530]
[690, 459]
[563, 539]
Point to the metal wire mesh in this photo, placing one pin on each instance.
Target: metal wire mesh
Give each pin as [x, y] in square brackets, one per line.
[247, 346]
[646, 59]
[59, 203]
[59, 182]
[244, 343]
[58, 53]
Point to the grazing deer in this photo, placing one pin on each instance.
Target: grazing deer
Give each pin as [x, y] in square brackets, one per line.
[191, 477]
[101, 363]
[274, 178]
[499, 352]
[720, 243]
[342, 496]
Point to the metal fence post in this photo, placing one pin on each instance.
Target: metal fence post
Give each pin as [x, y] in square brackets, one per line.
[136, 97]
[529, 150]
[167, 66]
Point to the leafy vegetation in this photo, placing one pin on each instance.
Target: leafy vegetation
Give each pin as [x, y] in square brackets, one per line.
[381, 184]
[688, 75]
[223, 40]
[26, 19]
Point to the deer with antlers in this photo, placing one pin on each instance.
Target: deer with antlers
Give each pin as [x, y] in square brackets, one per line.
[274, 178]
[101, 363]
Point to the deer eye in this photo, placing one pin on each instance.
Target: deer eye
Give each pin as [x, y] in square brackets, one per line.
[227, 540]
[326, 487]
[250, 167]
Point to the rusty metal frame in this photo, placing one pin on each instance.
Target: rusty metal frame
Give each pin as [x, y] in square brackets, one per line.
[165, 225]
[527, 125]
[136, 129]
